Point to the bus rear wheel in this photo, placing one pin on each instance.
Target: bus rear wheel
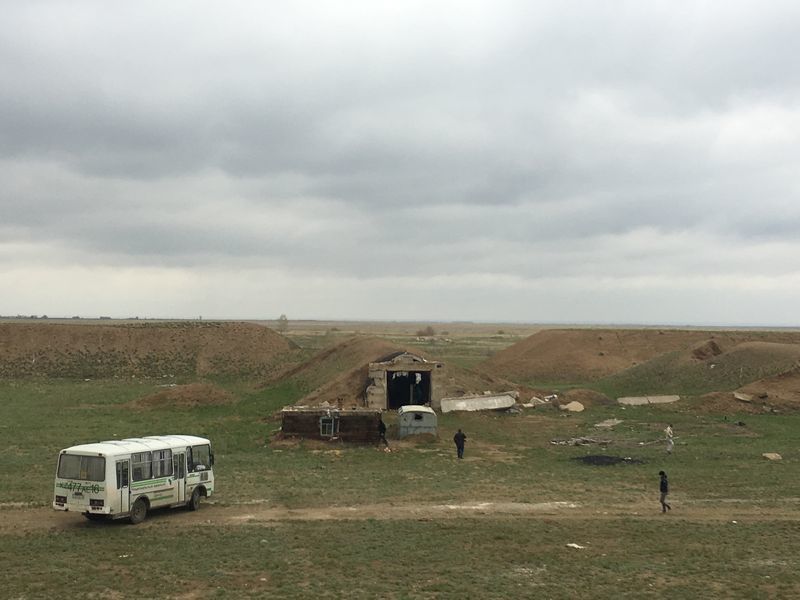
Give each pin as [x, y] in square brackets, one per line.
[194, 501]
[139, 511]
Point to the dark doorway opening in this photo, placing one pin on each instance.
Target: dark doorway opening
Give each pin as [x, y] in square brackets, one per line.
[407, 387]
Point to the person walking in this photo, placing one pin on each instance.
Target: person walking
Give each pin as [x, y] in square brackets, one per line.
[664, 487]
[459, 438]
[669, 435]
[382, 433]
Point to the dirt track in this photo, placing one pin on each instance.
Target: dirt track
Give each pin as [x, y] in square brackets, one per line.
[24, 520]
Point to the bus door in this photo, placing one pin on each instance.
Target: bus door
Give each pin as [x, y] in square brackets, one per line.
[123, 485]
[179, 474]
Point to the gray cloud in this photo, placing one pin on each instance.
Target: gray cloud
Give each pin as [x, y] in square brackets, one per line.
[376, 146]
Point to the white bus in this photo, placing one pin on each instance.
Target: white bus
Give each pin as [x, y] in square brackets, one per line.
[126, 478]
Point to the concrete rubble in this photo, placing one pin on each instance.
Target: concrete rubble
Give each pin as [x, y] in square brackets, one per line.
[534, 402]
[608, 423]
[579, 441]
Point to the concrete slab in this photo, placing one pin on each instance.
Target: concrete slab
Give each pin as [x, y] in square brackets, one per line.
[642, 400]
[474, 403]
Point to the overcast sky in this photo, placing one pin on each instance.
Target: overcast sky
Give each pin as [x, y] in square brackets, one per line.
[590, 162]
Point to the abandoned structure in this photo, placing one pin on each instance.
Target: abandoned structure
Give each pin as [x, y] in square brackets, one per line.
[349, 425]
[401, 379]
[414, 419]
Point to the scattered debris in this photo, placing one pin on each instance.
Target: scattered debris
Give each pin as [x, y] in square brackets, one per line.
[603, 460]
[641, 400]
[742, 397]
[573, 406]
[579, 441]
[534, 402]
[574, 545]
[608, 423]
[772, 456]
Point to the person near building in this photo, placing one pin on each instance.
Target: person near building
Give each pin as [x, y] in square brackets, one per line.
[459, 438]
[382, 433]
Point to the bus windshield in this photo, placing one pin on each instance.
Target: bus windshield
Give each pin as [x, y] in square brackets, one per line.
[199, 456]
[84, 468]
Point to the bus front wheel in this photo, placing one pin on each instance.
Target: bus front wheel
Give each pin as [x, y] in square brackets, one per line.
[194, 501]
[139, 511]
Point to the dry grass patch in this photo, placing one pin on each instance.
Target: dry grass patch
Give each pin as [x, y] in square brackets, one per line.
[192, 395]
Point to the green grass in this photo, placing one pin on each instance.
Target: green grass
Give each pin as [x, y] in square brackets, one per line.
[465, 558]
[508, 458]
[673, 373]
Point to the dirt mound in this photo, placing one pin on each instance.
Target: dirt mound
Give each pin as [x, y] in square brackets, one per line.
[706, 350]
[573, 355]
[339, 374]
[570, 355]
[588, 398]
[681, 373]
[141, 349]
[186, 396]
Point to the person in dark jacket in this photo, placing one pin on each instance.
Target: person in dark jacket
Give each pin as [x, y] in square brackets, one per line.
[459, 438]
[382, 433]
[664, 487]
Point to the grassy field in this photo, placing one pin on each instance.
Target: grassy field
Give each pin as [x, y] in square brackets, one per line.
[412, 528]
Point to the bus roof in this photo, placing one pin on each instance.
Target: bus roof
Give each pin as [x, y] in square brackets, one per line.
[142, 444]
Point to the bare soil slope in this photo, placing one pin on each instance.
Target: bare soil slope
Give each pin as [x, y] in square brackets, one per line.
[780, 393]
[783, 388]
[574, 355]
[336, 361]
[143, 350]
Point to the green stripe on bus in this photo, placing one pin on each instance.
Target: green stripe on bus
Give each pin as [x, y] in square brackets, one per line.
[141, 484]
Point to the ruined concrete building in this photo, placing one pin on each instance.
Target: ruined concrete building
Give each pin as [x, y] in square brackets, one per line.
[404, 378]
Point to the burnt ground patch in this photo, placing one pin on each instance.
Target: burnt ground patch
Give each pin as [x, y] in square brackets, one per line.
[604, 460]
